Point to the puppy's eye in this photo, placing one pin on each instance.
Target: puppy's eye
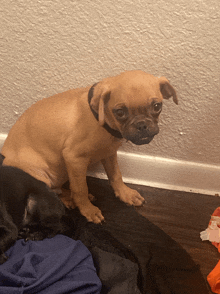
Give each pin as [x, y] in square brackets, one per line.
[157, 107]
[120, 112]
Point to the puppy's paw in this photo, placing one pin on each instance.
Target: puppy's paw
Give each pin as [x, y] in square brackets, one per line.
[92, 213]
[130, 196]
[43, 233]
[35, 236]
[92, 198]
[67, 199]
[23, 233]
[36, 233]
[30, 234]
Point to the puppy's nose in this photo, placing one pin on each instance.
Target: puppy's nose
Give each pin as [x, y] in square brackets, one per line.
[141, 126]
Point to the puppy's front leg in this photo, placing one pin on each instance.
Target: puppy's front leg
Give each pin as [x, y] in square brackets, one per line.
[77, 169]
[126, 194]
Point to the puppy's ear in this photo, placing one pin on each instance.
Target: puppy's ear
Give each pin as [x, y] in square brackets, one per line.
[101, 96]
[167, 90]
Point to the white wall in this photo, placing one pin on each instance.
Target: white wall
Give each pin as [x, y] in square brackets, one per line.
[49, 46]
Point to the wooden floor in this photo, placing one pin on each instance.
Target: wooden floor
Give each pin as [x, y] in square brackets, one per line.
[182, 216]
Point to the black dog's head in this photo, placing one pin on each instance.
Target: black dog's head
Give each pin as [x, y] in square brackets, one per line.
[26, 202]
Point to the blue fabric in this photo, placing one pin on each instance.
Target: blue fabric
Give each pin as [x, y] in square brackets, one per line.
[52, 266]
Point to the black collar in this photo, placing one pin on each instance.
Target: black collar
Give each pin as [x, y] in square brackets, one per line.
[113, 132]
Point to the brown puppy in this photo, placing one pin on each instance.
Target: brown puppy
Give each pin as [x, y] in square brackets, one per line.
[58, 137]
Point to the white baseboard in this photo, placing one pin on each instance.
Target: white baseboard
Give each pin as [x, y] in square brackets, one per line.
[2, 139]
[167, 173]
[163, 173]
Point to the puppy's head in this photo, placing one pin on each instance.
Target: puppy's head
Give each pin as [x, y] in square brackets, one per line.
[131, 104]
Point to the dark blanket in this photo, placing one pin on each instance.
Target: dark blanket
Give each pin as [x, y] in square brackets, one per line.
[164, 267]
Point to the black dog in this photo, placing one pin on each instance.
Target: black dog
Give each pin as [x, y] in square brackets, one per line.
[28, 205]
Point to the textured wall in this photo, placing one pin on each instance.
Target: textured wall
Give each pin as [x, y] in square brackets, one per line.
[50, 46]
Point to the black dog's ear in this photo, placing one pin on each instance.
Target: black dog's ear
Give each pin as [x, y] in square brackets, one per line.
[101, 96]
[8, 236]
[3, 257]
[167, 90]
